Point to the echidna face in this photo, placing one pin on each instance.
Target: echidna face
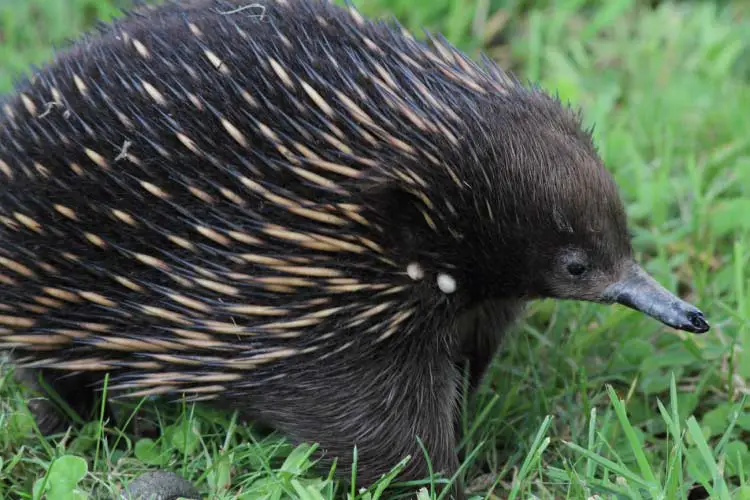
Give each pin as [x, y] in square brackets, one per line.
[578, 246]
[584, 244]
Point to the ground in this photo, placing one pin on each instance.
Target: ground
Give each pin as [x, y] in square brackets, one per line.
[586, 400]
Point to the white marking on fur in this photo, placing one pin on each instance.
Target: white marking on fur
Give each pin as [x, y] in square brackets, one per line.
[415, 271]
[446, 283]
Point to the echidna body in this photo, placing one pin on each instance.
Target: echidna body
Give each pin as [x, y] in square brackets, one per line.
[302, 214]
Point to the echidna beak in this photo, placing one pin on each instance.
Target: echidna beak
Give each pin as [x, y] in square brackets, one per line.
[638, 290]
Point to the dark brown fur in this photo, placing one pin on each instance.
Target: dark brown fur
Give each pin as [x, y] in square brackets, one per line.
[499, 188]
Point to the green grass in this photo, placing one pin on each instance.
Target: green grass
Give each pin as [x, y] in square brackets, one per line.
[584, 400]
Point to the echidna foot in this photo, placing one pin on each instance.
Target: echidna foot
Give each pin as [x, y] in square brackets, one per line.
[46, 389]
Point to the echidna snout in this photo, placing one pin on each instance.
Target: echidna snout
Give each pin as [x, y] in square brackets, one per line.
[297, 213]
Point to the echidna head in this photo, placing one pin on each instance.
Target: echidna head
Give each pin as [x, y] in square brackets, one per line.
[532, 213]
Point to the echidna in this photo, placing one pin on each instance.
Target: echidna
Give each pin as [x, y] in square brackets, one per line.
[297, 213]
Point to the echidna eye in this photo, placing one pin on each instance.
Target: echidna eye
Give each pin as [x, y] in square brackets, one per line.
[576, 268]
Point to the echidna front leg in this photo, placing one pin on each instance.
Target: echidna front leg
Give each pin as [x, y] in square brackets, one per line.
[481, 331]
[379, 401]
[77, 391]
